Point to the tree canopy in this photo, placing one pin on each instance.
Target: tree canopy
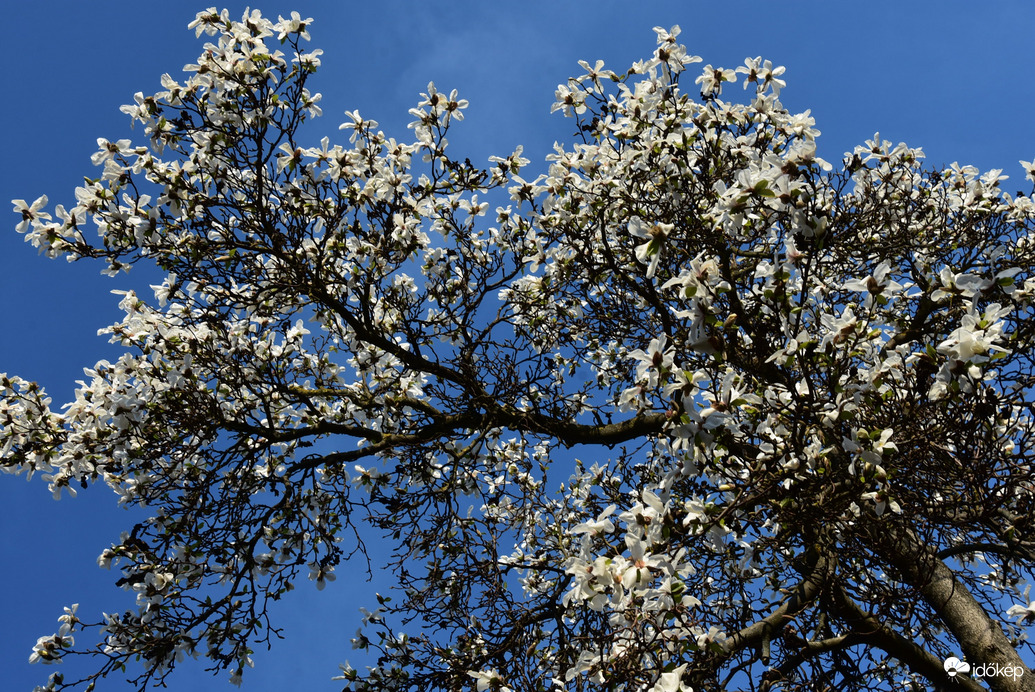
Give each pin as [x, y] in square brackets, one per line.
[694, 409]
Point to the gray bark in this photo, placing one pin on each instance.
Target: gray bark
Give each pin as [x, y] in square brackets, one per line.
[980, 637]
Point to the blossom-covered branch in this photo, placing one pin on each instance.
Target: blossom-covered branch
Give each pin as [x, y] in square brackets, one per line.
[691, 409]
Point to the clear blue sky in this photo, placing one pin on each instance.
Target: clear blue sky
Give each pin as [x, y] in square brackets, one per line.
[951, 77]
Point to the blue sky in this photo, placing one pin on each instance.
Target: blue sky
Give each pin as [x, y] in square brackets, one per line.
[951, 77]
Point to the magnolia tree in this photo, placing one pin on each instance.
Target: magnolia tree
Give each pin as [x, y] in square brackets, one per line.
[692, 410]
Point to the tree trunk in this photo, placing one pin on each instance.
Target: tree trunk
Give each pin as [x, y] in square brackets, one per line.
[980, 637]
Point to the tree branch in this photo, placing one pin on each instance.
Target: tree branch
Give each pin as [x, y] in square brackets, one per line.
[872, 631]
[761, 632]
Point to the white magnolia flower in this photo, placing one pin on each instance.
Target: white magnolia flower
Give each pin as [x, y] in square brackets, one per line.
[639, 568]
[656, 234]
[712, 79]
[489, 680]
[657, 359]
[107, 150]
[30, 213]
[977, 335]
[874, 285]
[602, 524]
[321, 574]
[672, 681]
[1024, 614]
[1029, 169]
